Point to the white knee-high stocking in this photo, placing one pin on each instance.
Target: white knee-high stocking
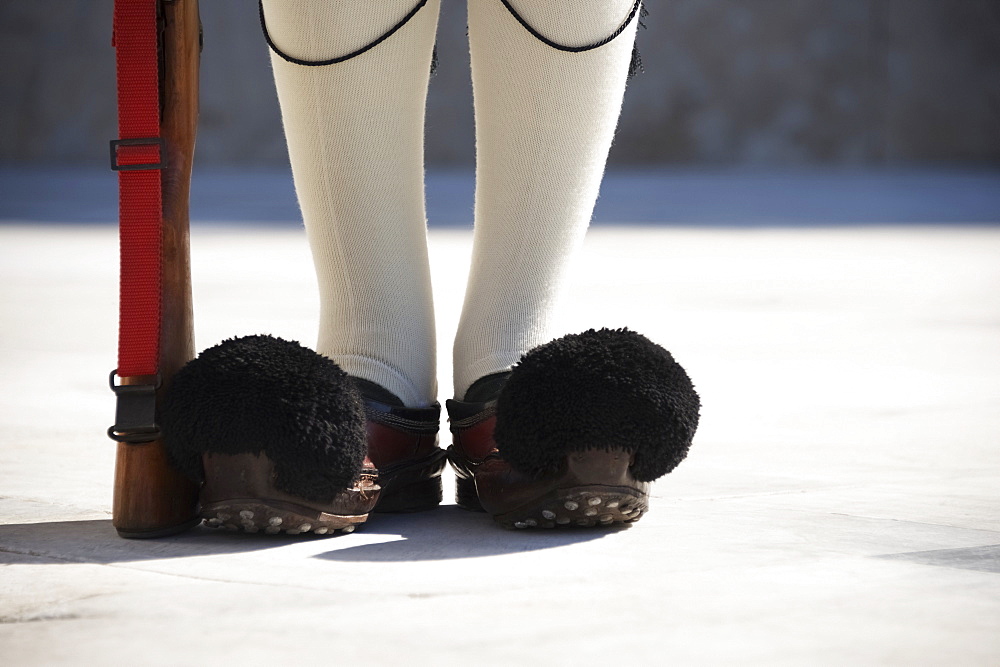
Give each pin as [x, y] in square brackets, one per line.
[545, 119]
[355, 139]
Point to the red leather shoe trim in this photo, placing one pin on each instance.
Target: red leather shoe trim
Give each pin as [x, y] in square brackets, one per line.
[387, 445]
[476, 442]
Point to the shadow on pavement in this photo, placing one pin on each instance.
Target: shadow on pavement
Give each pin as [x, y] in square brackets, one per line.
[451, 532]
[96, 541]
[443, 534]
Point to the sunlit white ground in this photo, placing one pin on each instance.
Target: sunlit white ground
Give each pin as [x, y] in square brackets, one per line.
[841, 503]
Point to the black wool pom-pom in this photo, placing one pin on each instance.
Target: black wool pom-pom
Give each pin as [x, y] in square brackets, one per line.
[606, 389]
[261, 394]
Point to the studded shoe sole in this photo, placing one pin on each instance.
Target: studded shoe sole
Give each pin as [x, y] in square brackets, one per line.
[585, 506]
[593, 488]
[272, 517]
[239, 495]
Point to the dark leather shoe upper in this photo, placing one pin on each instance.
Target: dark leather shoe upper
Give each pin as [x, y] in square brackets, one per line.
[398, 434]
[402, 444]
[472, 427]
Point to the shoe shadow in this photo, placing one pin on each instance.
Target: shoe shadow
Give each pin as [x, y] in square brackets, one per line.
[445, 533]
[450, 532]
[97, 541]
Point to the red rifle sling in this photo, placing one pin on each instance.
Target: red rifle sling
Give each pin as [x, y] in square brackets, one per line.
[138, 156]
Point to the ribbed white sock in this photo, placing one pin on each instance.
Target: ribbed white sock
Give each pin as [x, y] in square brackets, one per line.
[545, 119]
[355, 138]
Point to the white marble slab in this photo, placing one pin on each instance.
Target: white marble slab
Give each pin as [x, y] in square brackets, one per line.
[841, 504]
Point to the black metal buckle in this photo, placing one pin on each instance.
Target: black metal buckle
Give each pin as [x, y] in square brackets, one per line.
[148, 141]
[135, 416]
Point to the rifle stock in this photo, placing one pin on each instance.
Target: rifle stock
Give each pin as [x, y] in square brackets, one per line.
[151, 498]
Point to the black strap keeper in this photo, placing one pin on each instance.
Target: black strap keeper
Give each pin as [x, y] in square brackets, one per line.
[135, 415]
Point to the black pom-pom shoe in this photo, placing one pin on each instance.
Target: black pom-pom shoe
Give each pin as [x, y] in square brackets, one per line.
[276, 433]
[579, 429]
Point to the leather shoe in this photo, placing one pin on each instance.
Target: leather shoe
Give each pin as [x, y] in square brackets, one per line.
[402, 446]
[591, 488]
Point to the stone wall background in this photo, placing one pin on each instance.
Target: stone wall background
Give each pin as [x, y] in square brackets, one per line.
[727, 82]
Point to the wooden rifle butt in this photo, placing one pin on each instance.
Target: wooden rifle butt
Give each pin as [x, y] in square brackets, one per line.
[151, 498]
